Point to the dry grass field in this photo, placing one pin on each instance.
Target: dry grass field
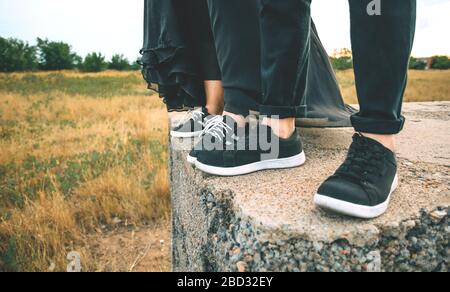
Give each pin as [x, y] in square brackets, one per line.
[82, 156]
[423, 86]
[83, 167]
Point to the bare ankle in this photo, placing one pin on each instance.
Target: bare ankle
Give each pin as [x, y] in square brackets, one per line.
[214, 110]
[387, 141]
[214, 97]
[283, 128]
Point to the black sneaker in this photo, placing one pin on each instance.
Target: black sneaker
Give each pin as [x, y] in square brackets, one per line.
[192, 126]
[192, 156]
[363, 185]
[210, 135]
[254, 150]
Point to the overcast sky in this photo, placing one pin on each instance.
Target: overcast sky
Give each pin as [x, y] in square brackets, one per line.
[115, 26]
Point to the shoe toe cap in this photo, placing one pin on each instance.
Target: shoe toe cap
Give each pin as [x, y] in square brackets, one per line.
[211, 158]
[343, 190]
[181, 128]
[194, 153]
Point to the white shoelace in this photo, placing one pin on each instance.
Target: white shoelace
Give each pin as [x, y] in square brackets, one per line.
[196, 115]
[217, 128]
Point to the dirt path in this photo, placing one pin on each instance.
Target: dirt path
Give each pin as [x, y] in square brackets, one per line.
[139, 250]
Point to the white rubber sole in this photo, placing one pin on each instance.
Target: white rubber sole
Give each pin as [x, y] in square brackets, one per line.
[185, 135]
[291, 162]
[191, 159]
[354, 210]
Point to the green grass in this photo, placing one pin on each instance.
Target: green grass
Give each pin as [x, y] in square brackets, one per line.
[93, 86]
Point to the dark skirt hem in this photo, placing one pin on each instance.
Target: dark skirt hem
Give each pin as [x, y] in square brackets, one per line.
[175, 79]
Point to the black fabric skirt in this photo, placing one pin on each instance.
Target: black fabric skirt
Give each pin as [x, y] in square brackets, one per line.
[179, 52]
[179, 55]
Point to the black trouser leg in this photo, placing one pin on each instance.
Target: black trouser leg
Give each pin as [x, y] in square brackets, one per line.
[186, 25]
[201, 39]
[236, 32]
[381, 50]
[285, 36]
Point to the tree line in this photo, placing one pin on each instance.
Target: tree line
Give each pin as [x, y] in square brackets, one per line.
[342, 60]
[17, 55]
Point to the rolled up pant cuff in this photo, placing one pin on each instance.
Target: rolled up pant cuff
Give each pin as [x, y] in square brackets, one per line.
[240, 102]
[377, 126]
[281, 112]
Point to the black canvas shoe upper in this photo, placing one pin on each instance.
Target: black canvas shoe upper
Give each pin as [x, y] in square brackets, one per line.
[193, 153]
[195, 123]
[251, 148]
[366, 177]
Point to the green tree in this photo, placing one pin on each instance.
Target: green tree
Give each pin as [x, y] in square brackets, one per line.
[440, 63]
[56, 55]
[342, 63]
[136, 65]
[342, 59]
[416, 64]
[94, 62]
[17, 55]
[119, 62]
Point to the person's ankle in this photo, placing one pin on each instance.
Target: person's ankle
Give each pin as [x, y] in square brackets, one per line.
[283, 128]
[240, 119]
[214, 110]
[387, 141]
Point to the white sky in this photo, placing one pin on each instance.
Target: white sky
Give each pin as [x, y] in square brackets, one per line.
[115, 26]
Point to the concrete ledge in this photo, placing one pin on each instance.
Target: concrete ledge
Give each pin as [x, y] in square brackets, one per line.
[267, 221]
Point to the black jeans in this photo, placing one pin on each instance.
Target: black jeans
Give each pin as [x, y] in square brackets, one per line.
[242, 49]
[235, 25]
[381, 50]
[197, 26]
